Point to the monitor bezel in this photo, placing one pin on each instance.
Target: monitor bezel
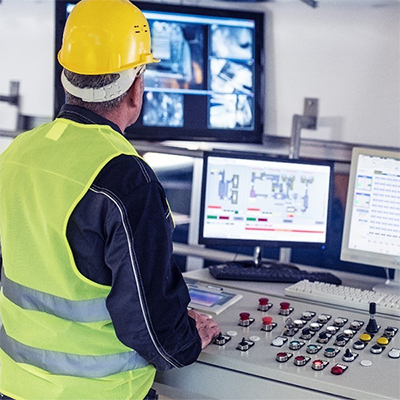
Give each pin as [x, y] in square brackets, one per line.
[363, 256]
[156, 133]
[263, 243]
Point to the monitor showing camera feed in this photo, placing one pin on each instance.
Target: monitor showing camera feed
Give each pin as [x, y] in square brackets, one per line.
[371, 232]
[250, 199]
[208, 84]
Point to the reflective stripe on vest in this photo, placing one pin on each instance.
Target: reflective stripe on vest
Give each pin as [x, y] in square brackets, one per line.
[71, 364]
[30, 299]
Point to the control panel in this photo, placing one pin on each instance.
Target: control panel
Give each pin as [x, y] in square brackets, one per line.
[318, 348]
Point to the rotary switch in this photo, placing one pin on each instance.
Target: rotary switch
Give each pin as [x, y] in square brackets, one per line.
[323, 337]
[306, 334]
[390, 331]
[340, 340]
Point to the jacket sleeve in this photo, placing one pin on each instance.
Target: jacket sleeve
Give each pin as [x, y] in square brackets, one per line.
[148, 300]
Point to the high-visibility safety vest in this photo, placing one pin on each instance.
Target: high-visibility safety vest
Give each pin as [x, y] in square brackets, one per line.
[57, 339]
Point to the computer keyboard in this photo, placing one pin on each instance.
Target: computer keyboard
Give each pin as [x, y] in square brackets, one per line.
[346, 296]
[269, 273]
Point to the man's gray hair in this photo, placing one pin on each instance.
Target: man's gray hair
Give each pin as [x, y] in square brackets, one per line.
[95, 82]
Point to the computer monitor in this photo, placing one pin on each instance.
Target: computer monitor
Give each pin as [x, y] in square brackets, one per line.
[371, 232]
[254, 200]
[209, 83]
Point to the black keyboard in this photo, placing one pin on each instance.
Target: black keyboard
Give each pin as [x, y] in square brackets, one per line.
[276, 272]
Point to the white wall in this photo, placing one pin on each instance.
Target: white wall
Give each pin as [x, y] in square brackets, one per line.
[348, 56]
[27, 53]
[345, 52]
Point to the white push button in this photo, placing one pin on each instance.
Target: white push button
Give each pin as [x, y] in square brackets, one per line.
[394, 353]
[366, 363]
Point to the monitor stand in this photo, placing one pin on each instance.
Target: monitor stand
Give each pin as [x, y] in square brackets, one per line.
[391, 286]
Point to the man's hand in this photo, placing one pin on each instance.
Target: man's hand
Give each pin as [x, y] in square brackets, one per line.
[206, 327]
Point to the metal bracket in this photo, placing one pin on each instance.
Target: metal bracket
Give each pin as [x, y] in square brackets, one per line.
[310, 111]
[13, 98]
[312, 3]
[306, 121]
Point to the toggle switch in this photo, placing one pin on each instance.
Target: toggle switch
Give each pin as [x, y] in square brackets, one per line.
[349, 356]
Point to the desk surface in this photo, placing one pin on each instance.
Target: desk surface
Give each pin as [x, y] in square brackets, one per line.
[364, 282]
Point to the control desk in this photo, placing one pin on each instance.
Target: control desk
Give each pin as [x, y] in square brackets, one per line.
[274, 347]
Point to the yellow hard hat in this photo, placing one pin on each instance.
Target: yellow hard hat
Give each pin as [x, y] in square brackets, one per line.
[105, 36]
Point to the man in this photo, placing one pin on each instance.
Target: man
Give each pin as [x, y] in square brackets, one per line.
[92, 303]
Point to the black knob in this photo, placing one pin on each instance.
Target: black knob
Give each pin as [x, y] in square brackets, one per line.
[372, 308]
[372, 326]
[348, 353]
[220, 339]
[323, 335]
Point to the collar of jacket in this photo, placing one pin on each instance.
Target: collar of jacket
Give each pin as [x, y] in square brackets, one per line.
[84, 116]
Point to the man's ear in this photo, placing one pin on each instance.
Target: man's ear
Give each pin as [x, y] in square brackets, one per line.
[135, 93]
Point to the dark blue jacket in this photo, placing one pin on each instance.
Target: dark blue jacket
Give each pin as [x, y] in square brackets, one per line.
[127, 193]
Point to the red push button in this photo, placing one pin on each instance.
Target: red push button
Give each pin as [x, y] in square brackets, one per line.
[244, 319]
[263, 304]
[267, 320]
[263, 301]
[244, 316]
[338, 369]
[285, 308]
[285, 305]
